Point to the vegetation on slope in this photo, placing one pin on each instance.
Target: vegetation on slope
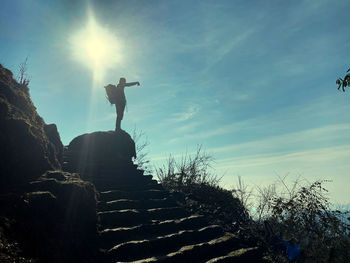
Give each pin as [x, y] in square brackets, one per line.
[295, 223]
[191, 176]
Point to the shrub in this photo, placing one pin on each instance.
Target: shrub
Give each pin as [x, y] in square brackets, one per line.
[141, 143]
[22, 76]
[302, 215]
[307, 217]
[193, 178]
[189, 171]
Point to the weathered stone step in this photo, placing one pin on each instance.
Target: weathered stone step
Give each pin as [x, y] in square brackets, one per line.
[135, 204]
[65, 165]
[244, 255]
[66, 156]
[102, 172]
[133, 195]
[118, 176]
[126, 183]
[125, 178]
[132, 217]
[97, 169]
[136, 185]
[200, 252]
[119, 172]
[134, 250]
[111, 237]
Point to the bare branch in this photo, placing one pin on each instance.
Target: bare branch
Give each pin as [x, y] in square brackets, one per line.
[22, 76]
[141, 143]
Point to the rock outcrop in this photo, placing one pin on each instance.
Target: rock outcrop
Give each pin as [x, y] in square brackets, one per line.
[46, 214]
[90, 152]
[59, 209]
[25, 150]
[53, 219]
[54, 137]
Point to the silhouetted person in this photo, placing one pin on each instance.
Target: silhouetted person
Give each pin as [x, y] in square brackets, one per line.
[116, 96]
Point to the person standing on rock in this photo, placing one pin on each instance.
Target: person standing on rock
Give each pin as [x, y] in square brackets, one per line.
[116, 95]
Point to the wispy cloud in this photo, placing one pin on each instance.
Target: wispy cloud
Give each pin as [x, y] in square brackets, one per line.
[188, 127]
[191, 111]
[277, 122]
[220, 49]
[308, 156]
[314, 143]
[291, 142]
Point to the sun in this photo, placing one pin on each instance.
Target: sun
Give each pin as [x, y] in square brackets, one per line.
[95, 47]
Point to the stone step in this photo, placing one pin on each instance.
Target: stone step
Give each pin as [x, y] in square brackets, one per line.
[134, 250]
[102, 187]
[135, 204]
[65, 166]
[200, 252]
[123, 179]
[127, 183]
[137, 184]
[117, 172]
[111, 237]
[122, 172]
[110, 170]
[133, 195]
[133, 217]
[244, 255]
[131, 176]
[95, 169]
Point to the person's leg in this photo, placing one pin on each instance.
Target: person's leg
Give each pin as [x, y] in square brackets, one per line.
[120, 114]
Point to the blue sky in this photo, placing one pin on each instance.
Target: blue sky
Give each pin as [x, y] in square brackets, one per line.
[252, 81]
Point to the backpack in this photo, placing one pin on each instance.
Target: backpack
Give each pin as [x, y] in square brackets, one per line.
[110, 93]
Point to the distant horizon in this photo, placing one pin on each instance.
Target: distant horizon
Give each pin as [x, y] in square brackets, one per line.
[252, 82]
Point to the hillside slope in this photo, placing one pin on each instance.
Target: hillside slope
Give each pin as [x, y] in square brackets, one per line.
[46, 215]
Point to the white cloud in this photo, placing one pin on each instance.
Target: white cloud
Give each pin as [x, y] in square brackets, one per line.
[184, 129]
[308, 139]
[219, 51]
[305, 157]
[191, 111]
[294, 118]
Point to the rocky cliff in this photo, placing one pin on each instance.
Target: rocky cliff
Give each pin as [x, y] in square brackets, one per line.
[28, 146]
[46, 215]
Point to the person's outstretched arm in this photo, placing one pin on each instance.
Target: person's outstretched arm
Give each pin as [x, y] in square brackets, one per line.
[132, 84]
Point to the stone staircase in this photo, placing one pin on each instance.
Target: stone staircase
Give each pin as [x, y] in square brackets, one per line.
[139, 221]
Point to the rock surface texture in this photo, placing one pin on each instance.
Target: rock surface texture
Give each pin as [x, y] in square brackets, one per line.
[88, 153]
[59, 209]
[46, 215]
[141, 222]
[25, 149]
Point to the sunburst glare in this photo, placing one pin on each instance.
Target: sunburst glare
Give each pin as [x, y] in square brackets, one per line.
[95, 47]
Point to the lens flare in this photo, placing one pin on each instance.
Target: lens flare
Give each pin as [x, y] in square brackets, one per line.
[95, 47]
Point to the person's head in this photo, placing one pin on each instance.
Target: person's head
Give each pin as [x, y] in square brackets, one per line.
[122, 81]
